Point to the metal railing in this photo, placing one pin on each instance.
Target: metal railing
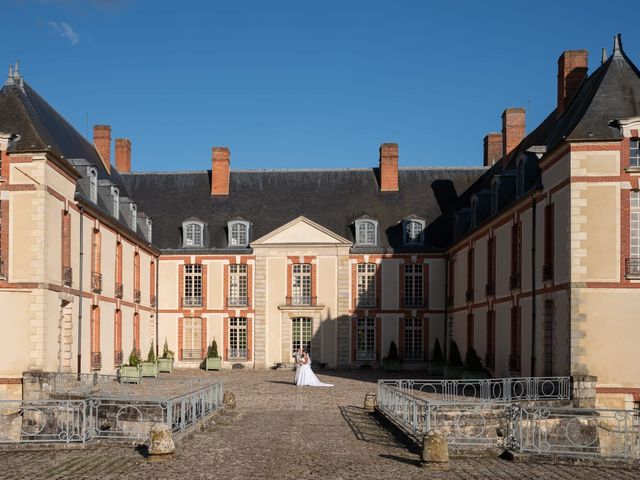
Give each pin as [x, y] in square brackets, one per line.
[240, 301]
[136, 296]
[301, 300]
[237, 353]
[67, 276]
[185, 410]
[632, 267]
[119, 290]
[192, 301]
[487, 389]
[96, 282]
[96, 360]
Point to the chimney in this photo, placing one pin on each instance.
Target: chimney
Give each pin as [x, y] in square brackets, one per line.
[572, 70]
[492, 148]
[389, 167]
[102, 142]
[123, 155]
[513, 126]
[220, 171]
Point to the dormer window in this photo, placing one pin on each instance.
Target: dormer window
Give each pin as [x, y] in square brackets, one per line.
[474, 211]
[149, 229]
[520, 177]
[133, 208]
[238, 233]
[494, 196]
[93, 184]
[192, 234]
[413, 232]
[366, 232]
[115, 198]
[634, 152]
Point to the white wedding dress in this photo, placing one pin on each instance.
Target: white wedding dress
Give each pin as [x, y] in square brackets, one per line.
[306, 378]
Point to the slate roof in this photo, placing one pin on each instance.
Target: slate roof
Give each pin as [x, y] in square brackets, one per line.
[41, 128]
[270, 199]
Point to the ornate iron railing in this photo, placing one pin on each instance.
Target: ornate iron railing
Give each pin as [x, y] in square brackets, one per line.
[239, 301]
[96, 282]
[192, 301]
[136, 296]
[632, 267]
[301, 300]
[67, 276]
[119, 290]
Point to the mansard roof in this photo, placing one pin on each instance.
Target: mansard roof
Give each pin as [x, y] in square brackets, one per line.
[271, 198]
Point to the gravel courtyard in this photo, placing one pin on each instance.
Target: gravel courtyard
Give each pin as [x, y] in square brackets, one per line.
[281, 431]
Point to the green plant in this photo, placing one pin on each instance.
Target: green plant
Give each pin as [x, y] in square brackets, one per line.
[134, 358]
[472, 361]
[151, 356]
[212, 351]
[437, 356]
[455, 360]
[393, 353]
[166, 353]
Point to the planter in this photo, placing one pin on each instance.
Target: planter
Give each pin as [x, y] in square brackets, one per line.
[213, 363]
[165, 365]
[436, 369]
[391, 365]
[129, 374]
[149, 369]
[453, 372]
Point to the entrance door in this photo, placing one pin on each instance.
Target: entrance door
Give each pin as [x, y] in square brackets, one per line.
[301, 328]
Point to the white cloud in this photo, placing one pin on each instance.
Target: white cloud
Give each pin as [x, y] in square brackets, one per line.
[64, 30]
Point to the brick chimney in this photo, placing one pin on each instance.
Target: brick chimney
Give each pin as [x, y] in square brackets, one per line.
[389, 167]
[123, 155]
[102, 142]
[572, 70]
[220, 171]
[492, 148]
[513, 127]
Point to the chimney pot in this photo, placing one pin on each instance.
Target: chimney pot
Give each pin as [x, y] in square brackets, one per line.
[513, 129]
[572, 70]
[220, 164]
[389, 167]
[492, 148]
[123, 155]
[102, 142]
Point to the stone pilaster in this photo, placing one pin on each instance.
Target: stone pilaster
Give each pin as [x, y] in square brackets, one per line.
[260, 301]
[344, 319]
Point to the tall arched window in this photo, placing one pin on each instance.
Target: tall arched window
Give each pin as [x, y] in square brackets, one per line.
[192, 234]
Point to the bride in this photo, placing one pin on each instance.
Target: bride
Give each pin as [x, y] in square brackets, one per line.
[306, 377]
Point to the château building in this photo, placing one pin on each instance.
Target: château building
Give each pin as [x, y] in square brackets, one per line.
[532, 259]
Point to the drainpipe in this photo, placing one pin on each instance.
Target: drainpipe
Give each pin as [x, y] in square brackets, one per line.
[157, 296]
[80, 297]
[447, 260]
[533, 286]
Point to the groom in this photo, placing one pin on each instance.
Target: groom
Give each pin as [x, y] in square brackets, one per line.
[299, 357]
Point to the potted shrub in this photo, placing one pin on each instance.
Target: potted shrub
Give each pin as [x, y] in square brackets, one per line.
[131, 372]
[436, 365]
[165, 362]
[391, 362]
[473, 367]
[150, 367]
[213, 360]
[455, 366]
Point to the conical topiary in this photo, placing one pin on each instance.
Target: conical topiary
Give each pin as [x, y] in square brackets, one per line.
[151, 356]
[437, 357]
[472, 361]
[455, 360]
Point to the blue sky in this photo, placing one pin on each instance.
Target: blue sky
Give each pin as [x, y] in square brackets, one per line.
[302, 84]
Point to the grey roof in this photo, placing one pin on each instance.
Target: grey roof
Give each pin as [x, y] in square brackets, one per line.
[270, 199]
[42, 128]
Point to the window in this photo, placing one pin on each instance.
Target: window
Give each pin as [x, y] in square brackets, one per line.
[520, 177]
[516, 339]
[136, 277]
[474, 211]
[237, 338]
[136, 332]
[514, 281]
[66, 249]
[133, 209]
[192, 234]
[237, 286]
[93, 184]
[549, 314]
[634, 230]
[470, 331]
[192, 339]
[366, 273]
[96, 355]
[366, 232]
[413, 285]
[117, 338]
[192, 286]
[115, 199]
[301, 329]
[634, 152]
[96, 256]
[366, 339]
[413, 339]
[149, 230]
[470, 274]
[547, 269]
[413, 232]
[491, 339]
[495, 189]
[491, 267]
[119, 287]
[301, 284]
[238, 234]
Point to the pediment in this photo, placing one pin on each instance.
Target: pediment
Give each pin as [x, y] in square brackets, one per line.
[301, 231]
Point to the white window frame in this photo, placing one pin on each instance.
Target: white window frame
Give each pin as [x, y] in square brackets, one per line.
[192, 285]
[411, 223]
[133, 210]
[238, 285]
[192, 338]
[149, 229]
[361, 235]
[115, 199]
[301, 284]
[414, 339]
[366, 284]
[238, 339]
[301, 333]
[366, 338]
[634, 152]
[193, 242]
[414, 285]
[634, 224]
[92, 173]
[238, 229]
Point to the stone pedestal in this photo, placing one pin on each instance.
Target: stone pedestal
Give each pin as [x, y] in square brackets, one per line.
[583, 390]
[370, 402]
[161, 440]
[435, 448]
[229, 400]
